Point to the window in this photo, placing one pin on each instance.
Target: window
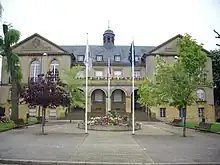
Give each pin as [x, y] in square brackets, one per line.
[201, 112]
[99, 58]
[99, 73]
[200, 95]
[117, 74]
[117, 58]
[80, 58]
[137, 74]
[108, 39]
[162, 112]
[136, 58]
[117, 97]
[182, 112]
[98, 96]
[34, 70]
[54, 68]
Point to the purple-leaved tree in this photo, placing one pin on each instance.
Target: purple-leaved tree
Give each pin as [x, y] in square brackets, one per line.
[45, 91]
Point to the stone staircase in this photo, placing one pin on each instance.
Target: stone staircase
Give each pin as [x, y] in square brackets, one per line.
[75, 115]
[142, 116]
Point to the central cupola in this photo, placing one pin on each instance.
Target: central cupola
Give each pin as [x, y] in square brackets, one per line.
[108, 39]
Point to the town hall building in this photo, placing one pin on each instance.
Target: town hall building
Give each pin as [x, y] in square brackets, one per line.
[38, 54]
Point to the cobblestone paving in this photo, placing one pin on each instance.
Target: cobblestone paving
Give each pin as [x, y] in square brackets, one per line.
[156, 142]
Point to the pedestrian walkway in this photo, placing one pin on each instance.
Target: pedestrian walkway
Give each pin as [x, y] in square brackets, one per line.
[65, 143]
[111, 147]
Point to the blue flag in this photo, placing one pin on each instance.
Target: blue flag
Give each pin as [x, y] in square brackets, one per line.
[130, 53]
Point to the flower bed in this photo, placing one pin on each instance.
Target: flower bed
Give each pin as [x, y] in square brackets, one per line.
[111, 122]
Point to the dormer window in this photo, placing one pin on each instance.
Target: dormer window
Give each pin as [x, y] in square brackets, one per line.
[117, 58]
[80, 58]
[99, 58]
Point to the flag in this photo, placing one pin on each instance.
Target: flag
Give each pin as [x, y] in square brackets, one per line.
[88, 59]
[130, 53]
[109, 68]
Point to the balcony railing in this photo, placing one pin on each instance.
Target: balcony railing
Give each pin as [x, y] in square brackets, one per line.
[124, 81]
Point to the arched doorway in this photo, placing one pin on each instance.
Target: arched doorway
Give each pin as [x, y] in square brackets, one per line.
[140, 111]
[118, 101]
[98, 103]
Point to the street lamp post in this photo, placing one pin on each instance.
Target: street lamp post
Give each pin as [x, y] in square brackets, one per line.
[41, 63]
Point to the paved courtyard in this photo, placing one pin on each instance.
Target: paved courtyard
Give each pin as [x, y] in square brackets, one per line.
[155, 143]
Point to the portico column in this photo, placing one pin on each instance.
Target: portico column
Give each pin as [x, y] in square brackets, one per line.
[89, 104]
[128, 104]
[107, 101]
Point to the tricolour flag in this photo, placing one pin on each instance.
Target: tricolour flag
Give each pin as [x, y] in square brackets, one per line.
[132, 53]
[88, 58]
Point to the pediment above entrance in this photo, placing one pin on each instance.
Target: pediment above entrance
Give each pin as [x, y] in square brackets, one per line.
[168, 47]
[37, 44]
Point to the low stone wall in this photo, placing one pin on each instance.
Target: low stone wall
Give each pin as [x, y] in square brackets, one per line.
[120, 127]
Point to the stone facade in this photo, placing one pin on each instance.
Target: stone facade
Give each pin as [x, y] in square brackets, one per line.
[39, 49]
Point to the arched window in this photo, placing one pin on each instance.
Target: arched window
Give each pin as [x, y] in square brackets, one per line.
[98, 96]
[108, 39]
[117, 96]
[200, 95]
[54, 68]
[34, 70]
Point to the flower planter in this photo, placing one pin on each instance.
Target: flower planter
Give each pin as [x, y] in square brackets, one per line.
[120, 127]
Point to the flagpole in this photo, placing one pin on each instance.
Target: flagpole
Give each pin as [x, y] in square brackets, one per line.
[132, 59]
[109, 77]
[86, 99]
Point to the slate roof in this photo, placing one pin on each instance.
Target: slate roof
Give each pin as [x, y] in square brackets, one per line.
[116, 50]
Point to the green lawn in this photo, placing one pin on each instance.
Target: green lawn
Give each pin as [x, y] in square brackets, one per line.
[7, 126]
[215, 127]
[31, 121]
[189, 124]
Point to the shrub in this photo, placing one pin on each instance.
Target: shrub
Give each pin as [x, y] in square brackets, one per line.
[215, 127]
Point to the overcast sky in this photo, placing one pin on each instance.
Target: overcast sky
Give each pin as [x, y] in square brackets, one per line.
[150, 22]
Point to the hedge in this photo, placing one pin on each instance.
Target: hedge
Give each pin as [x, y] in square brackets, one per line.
[11, 125]
[215, 126]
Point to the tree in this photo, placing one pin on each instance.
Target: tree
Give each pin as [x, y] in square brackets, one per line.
[45, 92]
[218, 36]
[181, 79]
[175, 84]
[74, 86]
[216, 74]
[11, 37]
[148, 95]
